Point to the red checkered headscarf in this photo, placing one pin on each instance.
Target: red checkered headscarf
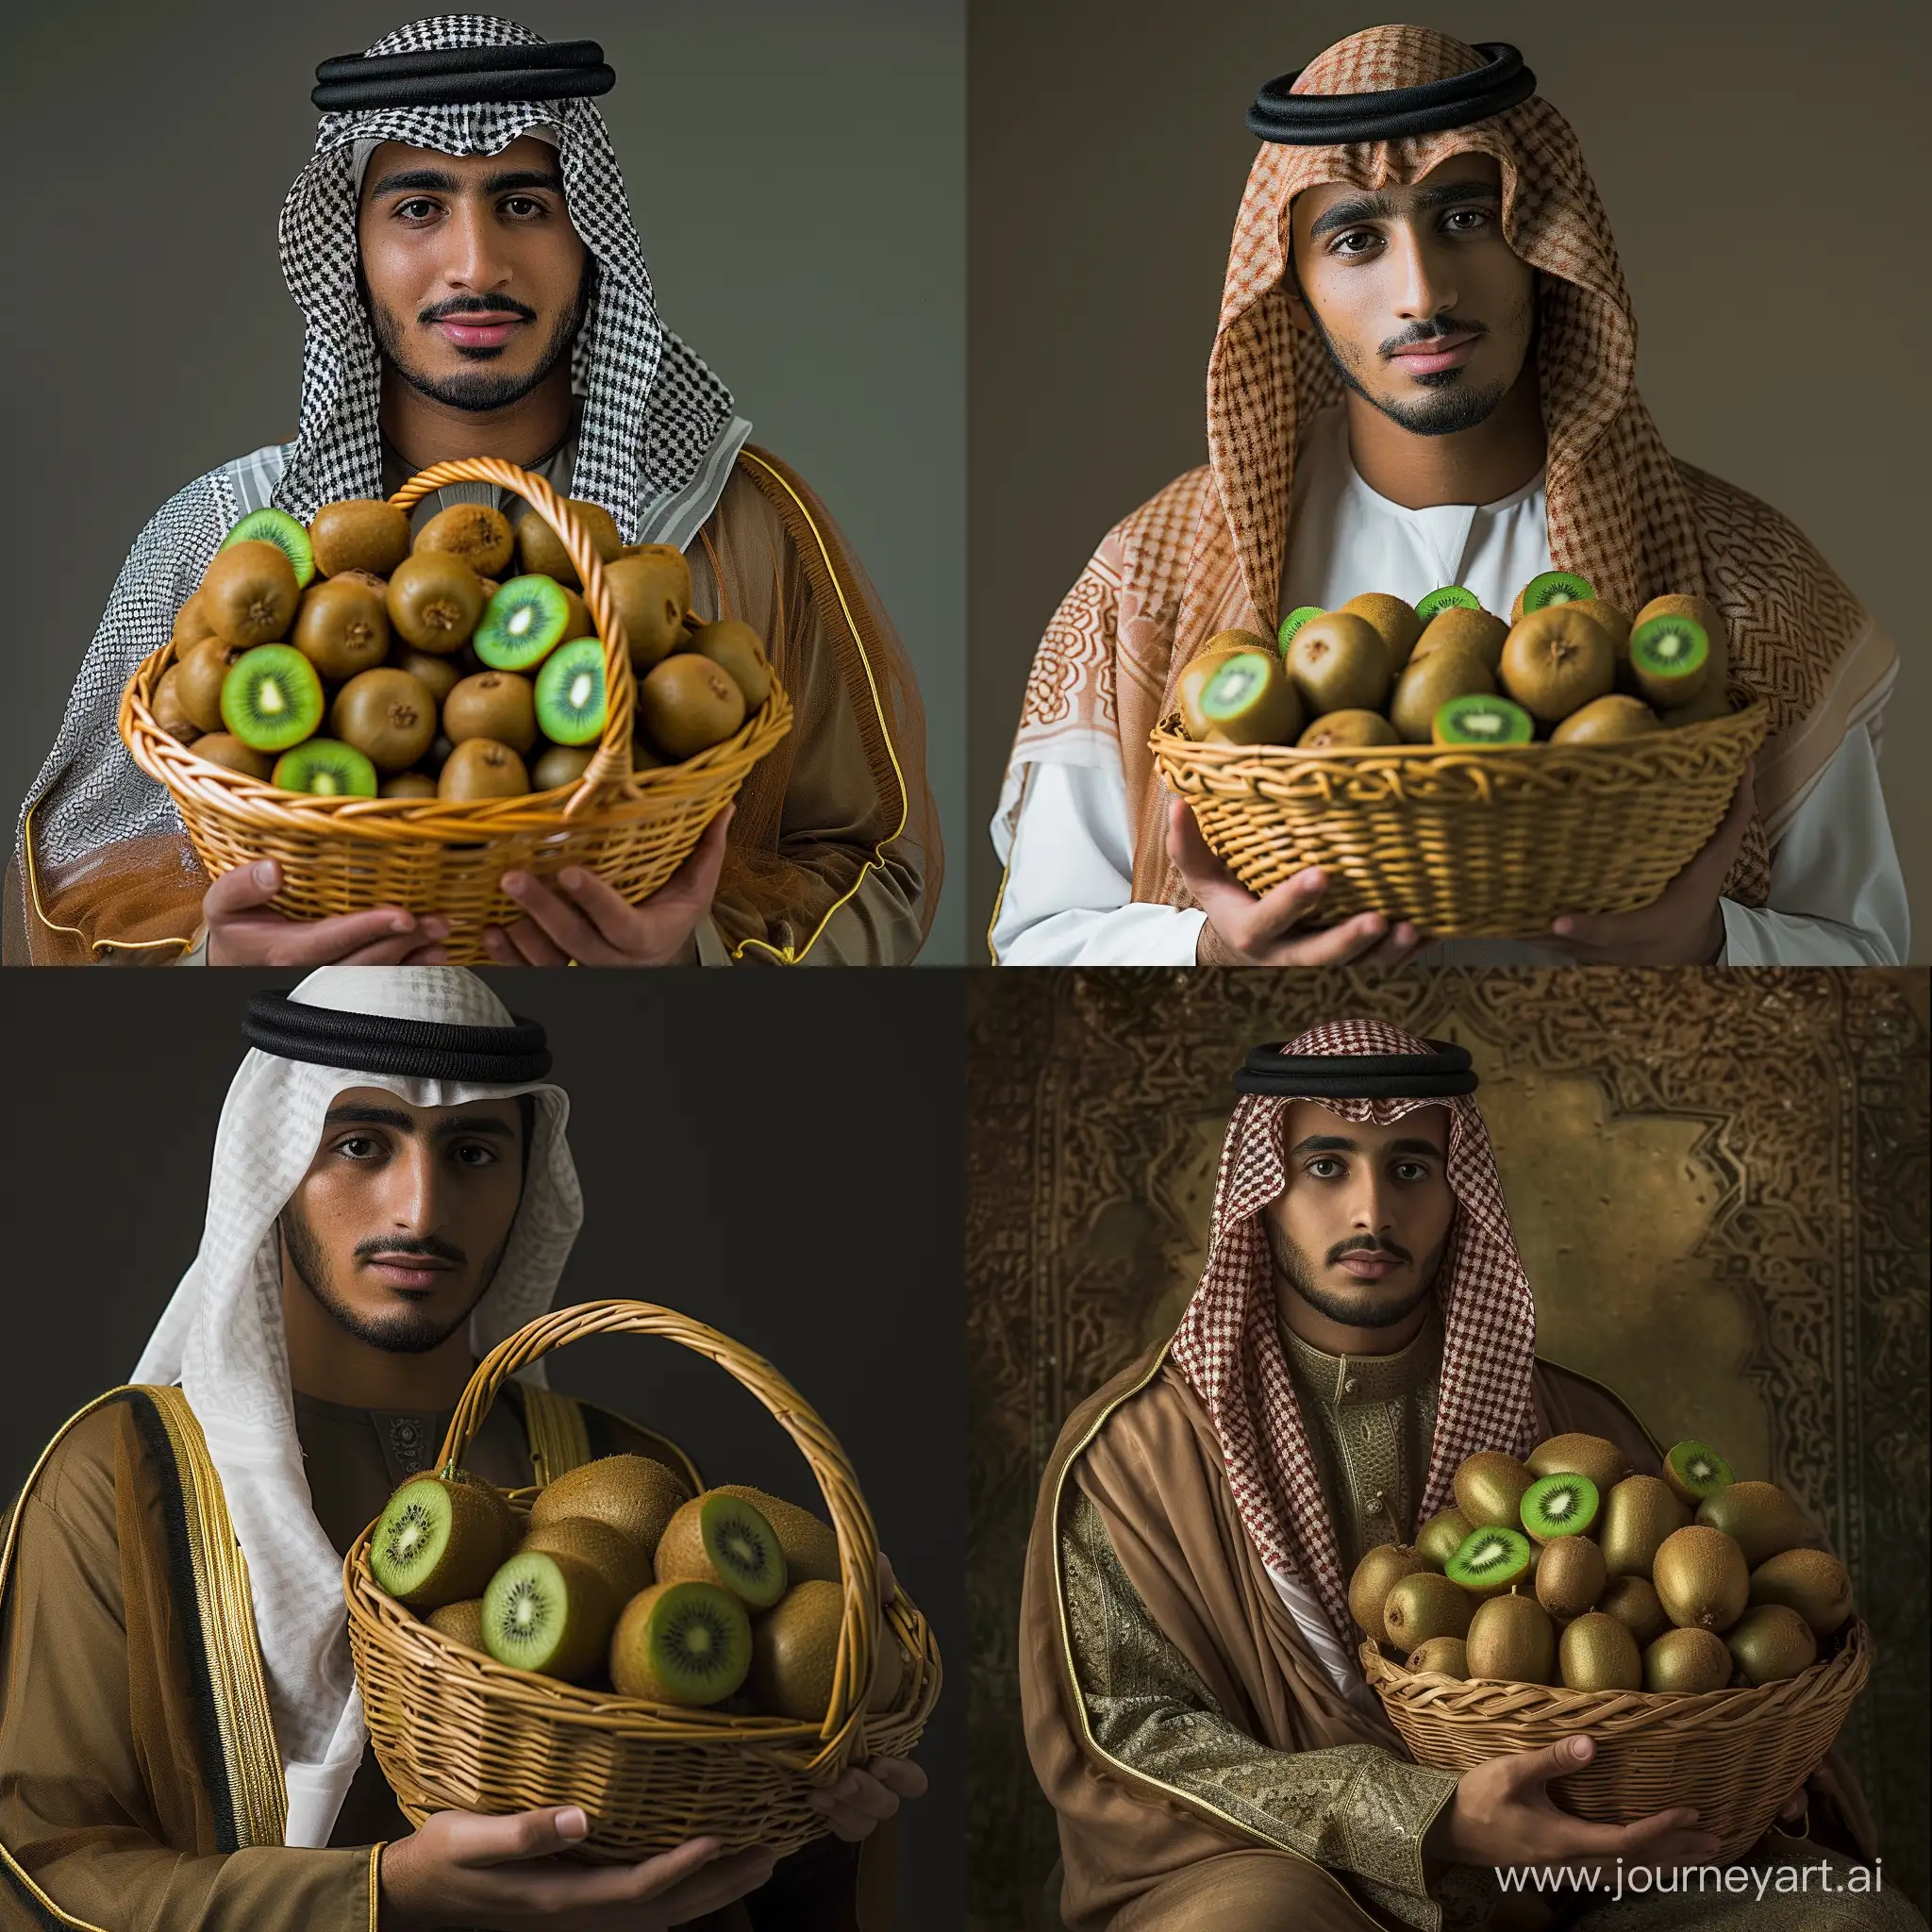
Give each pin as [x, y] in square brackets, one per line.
[1230, 1350]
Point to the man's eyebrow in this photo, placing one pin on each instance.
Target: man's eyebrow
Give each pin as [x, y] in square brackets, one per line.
[418, 181]
[1324, 1143]
[1444, 193]
[1372, 208]
[475, 1123]
[370, 1117]
[1427, 1147]
[524, 178]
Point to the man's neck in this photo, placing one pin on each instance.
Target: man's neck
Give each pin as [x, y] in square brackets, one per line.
[330, 1364]
[1302, 1317]
[423, 431]
[1480, 465]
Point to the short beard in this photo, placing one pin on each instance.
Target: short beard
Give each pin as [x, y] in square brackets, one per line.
[408, 1331]
[1292, 1265]
[482, 392]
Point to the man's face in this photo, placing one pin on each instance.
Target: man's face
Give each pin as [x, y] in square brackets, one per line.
[1422, 305]
[1360, 1228]
[401, 1219]
[476, 280]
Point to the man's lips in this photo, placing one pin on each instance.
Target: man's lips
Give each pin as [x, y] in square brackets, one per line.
[478, 332]
[407, 1271]
[1444, 352]
[1365, 1266]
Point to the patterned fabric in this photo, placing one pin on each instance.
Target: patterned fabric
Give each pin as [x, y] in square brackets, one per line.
[1230, 1348]
[1208, 551]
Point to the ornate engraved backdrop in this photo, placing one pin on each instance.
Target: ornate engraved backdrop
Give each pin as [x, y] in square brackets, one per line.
[1719, 1182]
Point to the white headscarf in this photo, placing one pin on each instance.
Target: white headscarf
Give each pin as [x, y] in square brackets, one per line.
[220, 1337]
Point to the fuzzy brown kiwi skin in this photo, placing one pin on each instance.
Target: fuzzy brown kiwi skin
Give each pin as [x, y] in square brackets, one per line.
[249, 594]
[342, 627]
[481, 768]
[472, 531]
[360, 533]
[171, 710]
[492, 704]
[434, 602]
[225, 749]
[201, 668]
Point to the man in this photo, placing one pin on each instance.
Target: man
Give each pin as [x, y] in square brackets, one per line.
[461, 247]
[1424, 376]
[1195, 1709]
[181, 1738]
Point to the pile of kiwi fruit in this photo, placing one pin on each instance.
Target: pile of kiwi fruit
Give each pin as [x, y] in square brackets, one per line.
[352, 659]
[1568, 1569]
[622, 1581]
[1568, 667]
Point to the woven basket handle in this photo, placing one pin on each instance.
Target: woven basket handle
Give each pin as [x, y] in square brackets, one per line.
[858, 1545]
[610, 763]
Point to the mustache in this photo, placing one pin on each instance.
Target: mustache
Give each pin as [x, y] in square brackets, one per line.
[378, 1246]
[477, 305]
[1368, 1245]
[1431, 332]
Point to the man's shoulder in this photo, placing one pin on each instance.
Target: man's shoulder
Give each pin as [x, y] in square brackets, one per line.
[1169, 517]
[74, 1477]
[1756, 555]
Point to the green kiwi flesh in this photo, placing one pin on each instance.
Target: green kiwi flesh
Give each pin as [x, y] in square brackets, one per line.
[1480, 720]
[686, 1642]
[1451, 596]
[272, 698]
[549, 1613]
[1247, 700]
[569, 694]
[1555, 586]
[522, 624]
[1492, 1560]
[435, 1542]
[1695, 1469]
[278, 528]
[724, 1540]
[1669, 659]
[326, 768]
[1558, 1505]
[1284, 635]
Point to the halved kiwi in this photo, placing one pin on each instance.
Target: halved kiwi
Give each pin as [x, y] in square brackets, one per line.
[326, 768]
[1249, 700]
[389, 716]
[683, 1642]
[360, 533]
[278, 528]
[492, 704]
[1284, 635]
[1200, 668]
[570, 692]
[248, 593]
[549, 1613]
[1551, 587]
[435, 1542]
[1449, 597]
[652, 591]
[272, 698]
[474, 532]
[1670, 659]
[1492, 1560]
[724, 1540]
[687, 704]
[342, 627]
[522, 624]
[1563, 1505]
[434, 600]
[1695, 1469]
[1483, 720]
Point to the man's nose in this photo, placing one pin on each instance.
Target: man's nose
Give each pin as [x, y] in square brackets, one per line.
[1427, 284]
[473, 261]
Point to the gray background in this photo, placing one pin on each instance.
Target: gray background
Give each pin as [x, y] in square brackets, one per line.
[797, 174]
[1764, 168]
[809, 1208]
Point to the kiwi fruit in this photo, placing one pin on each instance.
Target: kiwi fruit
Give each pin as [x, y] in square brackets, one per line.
[561, 765]
[278, 528]
[1449, 597]
[1493, 1559]
[1429, 683]
[474, 532]
[541, 549]
[363, 533]
[652, 591]
[1480, 721]
[203, 669]
[1571, 1576]
[1193, 677]
[492, 704]
[1687, 1662]
[1607, 721]
[1490, 1489]
[1632, 1600]
[272, 698]
[549, 1612]
[686, 1642]
[1378, 1572]
[1809, 1581]
[408, 785]
[482, 768]
[342, 627]
[741, 651]
[724, 1540]
[1347, 732]
[626, 1563]
[1670, 659]
[434, 602]
[570, 699]
[249, 593]
[522, 624]
[1555, 661]
[1562, 1504]
[509, 1526]
[687, 703]
[1284, 630]
[389, 716]
[224, 748]
[1704, 614]
[1771, 1643]
[1248, 699]
[1638, 1514]
[1511, 1637]
[435, 1542]
[1544, 592]
[326, 768]
[1337, 663]
[1394, 622]
[170, 708]
[1597, 1653]
[888, 1671]
[461, 1622]
[1713, 702]
[1609, 619]
[794, 1652]
[1693, 1470]
[1441, 1536]
[635, 1496]
[1701, 1579]
[809, 1543]
[1423, 1606]
[1763, 1520]
[191, 624]
[1474, 631]
[1446, 1657]
[1595, 1457]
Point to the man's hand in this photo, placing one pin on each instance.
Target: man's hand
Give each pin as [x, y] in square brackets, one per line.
[457, 1869]
[1502, 1814]
[867, 1796]
[242, 932]
[597, 927]
[1242, 930]
[1683, 927]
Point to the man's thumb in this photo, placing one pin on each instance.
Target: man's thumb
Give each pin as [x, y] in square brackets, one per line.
[1559, 1759]
[245, 887]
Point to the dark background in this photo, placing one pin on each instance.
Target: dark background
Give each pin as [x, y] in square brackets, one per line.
[783, 1161]
[797, 174]
[1764, 171]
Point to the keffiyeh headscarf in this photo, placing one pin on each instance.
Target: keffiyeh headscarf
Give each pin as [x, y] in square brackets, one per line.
[1229, 1347]
[222, 1339]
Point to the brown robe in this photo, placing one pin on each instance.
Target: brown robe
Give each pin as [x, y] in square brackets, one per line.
[1144, 1450]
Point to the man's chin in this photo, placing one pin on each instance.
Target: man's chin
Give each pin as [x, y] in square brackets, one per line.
[1365, 1305]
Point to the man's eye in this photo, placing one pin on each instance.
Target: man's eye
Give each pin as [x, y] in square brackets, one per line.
[1411, 1170]
[473, 1153]
[522, 205]
[1470, 220]
[1324, 1168]
[416, 210]
[1356, 242]
[360, 1147]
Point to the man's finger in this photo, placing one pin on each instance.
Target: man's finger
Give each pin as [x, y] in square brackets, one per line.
[575, 937]
[889, 1583]
[899, 1775]
[328, 941]
[611, 914]
[478, 1838]
[1399, 942]
[696, 879]
[1526, 1768]
[1337, 944]
[240, 890]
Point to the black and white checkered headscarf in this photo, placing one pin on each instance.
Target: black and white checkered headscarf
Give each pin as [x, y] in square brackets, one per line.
[651, 409]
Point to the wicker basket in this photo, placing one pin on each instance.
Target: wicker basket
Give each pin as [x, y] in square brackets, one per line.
[1735, 1756]
[455, 1730]
[346, 855]
[1490, 844]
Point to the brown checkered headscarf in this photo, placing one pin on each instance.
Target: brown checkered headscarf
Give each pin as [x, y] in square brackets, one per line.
[1230, 1348]
[1208, 551]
